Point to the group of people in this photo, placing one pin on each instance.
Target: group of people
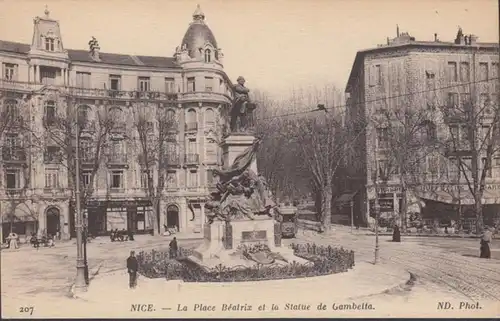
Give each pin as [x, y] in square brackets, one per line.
[121, 236]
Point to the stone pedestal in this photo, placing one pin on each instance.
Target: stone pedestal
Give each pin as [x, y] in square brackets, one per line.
[217, 236]
[234, 145]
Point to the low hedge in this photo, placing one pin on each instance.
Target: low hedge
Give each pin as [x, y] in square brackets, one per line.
[323, 260]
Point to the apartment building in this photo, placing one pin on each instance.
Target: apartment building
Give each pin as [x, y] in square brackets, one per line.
[437, 80]
[43, 80]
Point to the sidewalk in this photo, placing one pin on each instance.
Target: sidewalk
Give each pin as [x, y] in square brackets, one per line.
[363, 280]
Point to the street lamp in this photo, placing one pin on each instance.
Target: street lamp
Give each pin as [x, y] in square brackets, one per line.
[80, 282]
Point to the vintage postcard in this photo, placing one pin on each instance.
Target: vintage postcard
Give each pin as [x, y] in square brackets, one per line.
[234, 159]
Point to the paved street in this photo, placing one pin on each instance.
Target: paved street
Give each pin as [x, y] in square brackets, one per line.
[48, 273]
[449, 264]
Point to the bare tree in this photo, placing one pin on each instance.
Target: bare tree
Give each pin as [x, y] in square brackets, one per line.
[155, 142]
[473, 120]
[57, 141]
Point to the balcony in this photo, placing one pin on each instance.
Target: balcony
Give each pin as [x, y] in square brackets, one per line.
[172, 160]
[117, 160]
[205, 96]
[121, 94]
[191, 127]
[13, 156]
[454, 115]
[119, 128]
[12, 85]
[52, 158]
[87, 160]
[13, 122]
[192, 159]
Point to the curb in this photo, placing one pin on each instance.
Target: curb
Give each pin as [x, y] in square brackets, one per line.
[424, 235]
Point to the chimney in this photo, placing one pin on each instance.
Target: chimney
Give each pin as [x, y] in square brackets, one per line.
[473, 39]
[397, 30]
[435, 37]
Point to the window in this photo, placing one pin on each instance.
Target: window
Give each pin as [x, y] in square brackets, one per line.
[192, 178]
[210, 118]
[464, 71]
[115, 82]
[433, 165]
[209, 83]
[11, 109]
[144, 84]
[191, 85]
[170, 85]
[48, 75]
[483, 71]
[383, 138]
[171, 179]
[50, 113]
[452, 71]
[453, 100]
[453, 168]
[376, 75]
[144, 179]
[383, 169]
[86, 178]
[51, 178]
[12, 178]
[83, 79]
[52, 154]
[210, 177]
[12, 147]
[117, 149]
[494, 70]
[208, 55]
[117, 179]
[465, 100]
[49, 44]
[86, 150]
[192, 146]
[211, 151]
[9, 71]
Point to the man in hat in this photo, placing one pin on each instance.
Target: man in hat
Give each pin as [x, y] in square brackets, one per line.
[132, 267]
[241, 99]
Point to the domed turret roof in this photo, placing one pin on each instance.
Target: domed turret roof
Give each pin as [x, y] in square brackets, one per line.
[198, 34]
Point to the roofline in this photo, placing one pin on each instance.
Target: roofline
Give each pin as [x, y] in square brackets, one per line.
[81, 61]
[414, 44]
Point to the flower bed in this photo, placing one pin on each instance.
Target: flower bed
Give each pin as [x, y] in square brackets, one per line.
[322, 261]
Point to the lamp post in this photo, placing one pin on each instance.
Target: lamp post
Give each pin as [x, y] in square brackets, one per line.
[80, 282]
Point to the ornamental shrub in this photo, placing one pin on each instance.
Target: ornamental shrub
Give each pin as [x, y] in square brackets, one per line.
[322, 260]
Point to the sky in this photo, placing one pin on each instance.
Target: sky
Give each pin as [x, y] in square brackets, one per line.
[276, 45]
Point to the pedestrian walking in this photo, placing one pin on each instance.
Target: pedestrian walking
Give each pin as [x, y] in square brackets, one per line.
[132, 267]
[485, 252]
[396, 234]
[173, 248]
[13, 241]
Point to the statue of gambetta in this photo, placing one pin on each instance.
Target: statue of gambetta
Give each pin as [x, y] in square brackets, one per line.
[242, 107]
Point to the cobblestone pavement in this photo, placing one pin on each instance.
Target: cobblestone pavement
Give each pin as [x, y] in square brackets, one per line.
[438, 263]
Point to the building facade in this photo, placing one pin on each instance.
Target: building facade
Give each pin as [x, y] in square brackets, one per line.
[429, 81]
[43, 82]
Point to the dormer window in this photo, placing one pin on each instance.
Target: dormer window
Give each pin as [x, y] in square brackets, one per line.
[49, 44]
[208, 54]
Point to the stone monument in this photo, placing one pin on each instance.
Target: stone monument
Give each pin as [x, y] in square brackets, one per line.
[241, 214]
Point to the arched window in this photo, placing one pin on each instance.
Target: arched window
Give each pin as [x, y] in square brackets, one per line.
[208, 55]
[50, 113]
[191, 121]
[210, 118]
[170, 115]
[117, 117]
[83, 113]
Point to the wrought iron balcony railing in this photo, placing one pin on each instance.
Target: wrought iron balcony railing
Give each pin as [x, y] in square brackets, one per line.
[117, 159]
[192, 159]
[191, 126]
[13, 155]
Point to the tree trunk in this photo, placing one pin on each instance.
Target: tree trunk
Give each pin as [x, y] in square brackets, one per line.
[326, 206]
[478, 210]
[404, 206]
[154, 219]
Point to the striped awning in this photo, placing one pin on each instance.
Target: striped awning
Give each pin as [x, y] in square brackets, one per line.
[463, 198]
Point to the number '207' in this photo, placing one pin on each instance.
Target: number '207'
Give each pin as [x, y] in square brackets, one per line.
[29, 310]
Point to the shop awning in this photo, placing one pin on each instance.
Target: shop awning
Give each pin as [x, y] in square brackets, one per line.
[345, 198]
[464, 197]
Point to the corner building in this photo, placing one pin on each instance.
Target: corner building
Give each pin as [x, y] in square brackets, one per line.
[425, 76]
[43, 78]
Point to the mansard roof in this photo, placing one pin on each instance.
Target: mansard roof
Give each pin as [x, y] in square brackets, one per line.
[106, 58]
